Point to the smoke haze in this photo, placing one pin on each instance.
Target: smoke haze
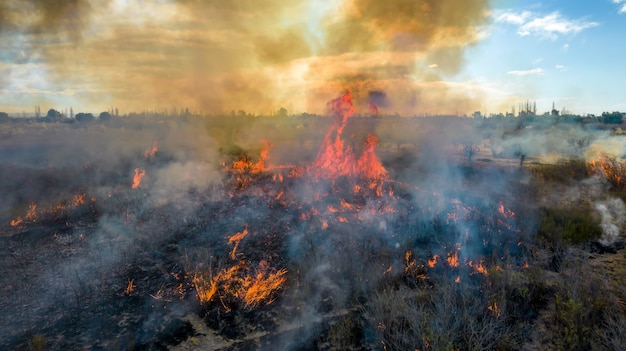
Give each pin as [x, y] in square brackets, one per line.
[256, 56]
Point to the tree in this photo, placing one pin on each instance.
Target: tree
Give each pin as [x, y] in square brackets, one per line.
[469, 150]
[282, 112]
[84, 117]
[104, 116]
[53, 114]
[4, 117]
[612, 117]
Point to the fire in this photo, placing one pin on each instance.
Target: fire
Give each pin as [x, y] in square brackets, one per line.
[236, 238]
[453, 258]
[31, 216]
[432, 261]
[478, 267]
[237, 283]
[245, 165]
[369, 164]
[609, 168]
[259, 287]
[130, 287]
[409, 264]
[152, 151]
[33, 213]
[506, 213]
[139, 174]
[78, 200]
[494, 309]
[336, 159]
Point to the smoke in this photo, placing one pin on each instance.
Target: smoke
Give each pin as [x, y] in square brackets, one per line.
[63, 19]
[613, 213]
[256, 56]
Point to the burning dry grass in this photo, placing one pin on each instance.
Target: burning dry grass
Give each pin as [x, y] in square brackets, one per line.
[610, 168]
[240, 284]
[403, 265]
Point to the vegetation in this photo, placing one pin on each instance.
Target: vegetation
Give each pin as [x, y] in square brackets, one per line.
[523, 276]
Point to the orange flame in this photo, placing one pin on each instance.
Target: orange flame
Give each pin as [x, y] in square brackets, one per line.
[236, 238]
[260, 287]
[31, 216]
[234, 282]
[369, 164]
[609, 168]
[494, 309]
[433, 261]
[506, 213]
[336, 159]
[139, 174]
[478, 267]
[453, 258]
[130, 287]
[409, 264]
[152, 151]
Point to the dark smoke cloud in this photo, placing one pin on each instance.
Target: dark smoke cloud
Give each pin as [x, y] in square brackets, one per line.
[63, 18]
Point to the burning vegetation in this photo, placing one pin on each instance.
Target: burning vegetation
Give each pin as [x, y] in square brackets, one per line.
[369, 233]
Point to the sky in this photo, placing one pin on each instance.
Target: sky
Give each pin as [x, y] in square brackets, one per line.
[407, 57]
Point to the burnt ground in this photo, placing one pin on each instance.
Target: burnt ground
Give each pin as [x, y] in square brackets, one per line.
[116, 271]
[67, 272]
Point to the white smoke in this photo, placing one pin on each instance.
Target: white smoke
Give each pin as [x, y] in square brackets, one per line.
[612, 212]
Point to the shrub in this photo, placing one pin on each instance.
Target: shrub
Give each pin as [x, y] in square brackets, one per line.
[572, 225]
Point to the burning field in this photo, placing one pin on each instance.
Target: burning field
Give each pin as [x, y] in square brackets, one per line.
[338, 232]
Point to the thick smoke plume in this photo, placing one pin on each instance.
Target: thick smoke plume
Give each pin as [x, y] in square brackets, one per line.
[256, 56]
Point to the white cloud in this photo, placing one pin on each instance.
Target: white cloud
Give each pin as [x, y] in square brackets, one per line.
[528, 72]
[434, 65]
[549, 26]
[621, 5]
[514, 18]
[561, 68]
[565, 47]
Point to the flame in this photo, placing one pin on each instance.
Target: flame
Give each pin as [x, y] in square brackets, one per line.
[236, 238]
[130, 287]
[453, 258]
[478, 267]
[152, 151]
[260, 287]
[345, 204]
[494, 309]
[31, 216]
[433, 261]
[78, 200]
[409, 264]
[32, 213]
[235, 282]
[369, 164]
[609, 168]
[139, 174]
[458, 279]
[506, 213]
[336, 159]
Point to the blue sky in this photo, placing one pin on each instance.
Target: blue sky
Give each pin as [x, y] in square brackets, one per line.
[567, 52]
[427, 56]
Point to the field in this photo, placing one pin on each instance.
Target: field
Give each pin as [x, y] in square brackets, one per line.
[340, 232]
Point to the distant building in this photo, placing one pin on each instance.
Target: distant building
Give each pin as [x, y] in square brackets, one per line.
[554, 111]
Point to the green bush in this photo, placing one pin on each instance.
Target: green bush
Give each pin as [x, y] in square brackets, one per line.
[572, 225]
